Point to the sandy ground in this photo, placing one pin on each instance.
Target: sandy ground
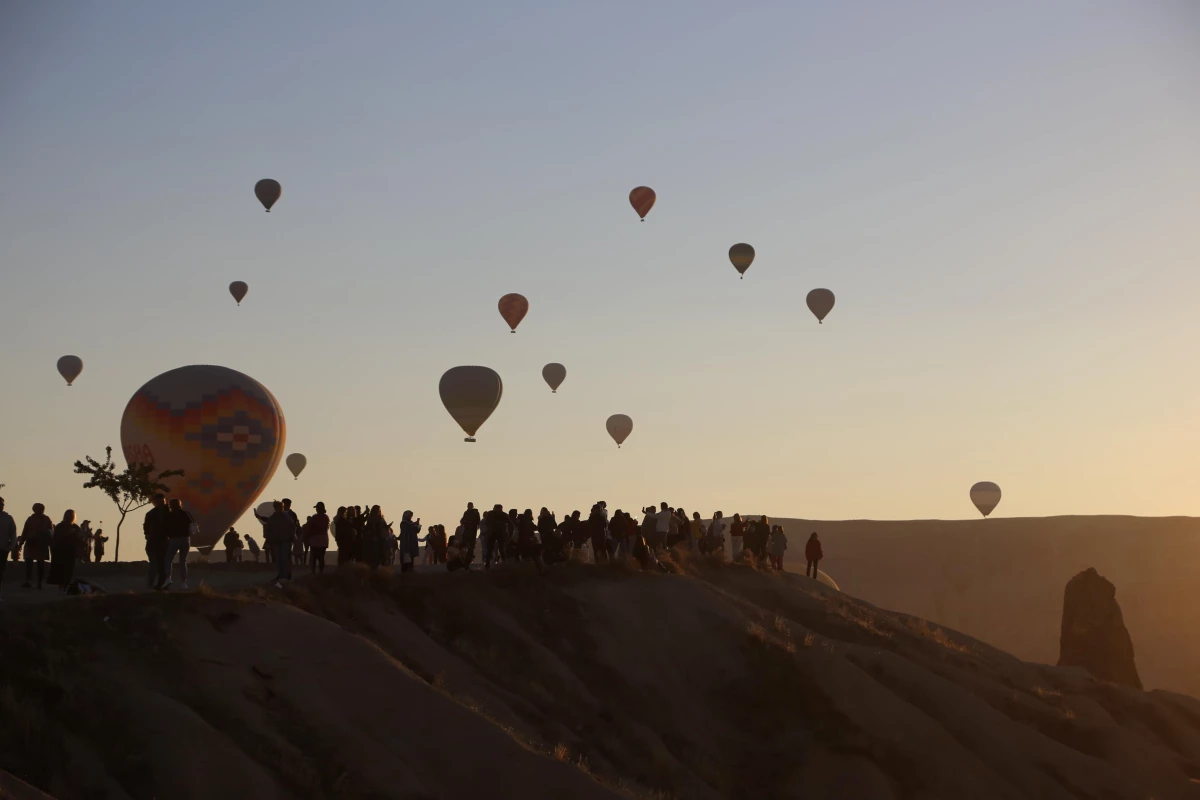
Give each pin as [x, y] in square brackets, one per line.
[589, 681]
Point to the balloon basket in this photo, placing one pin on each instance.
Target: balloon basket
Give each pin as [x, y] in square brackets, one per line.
[469, 439]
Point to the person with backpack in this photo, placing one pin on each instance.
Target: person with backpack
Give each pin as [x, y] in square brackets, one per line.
[179, 527]
[232, 542]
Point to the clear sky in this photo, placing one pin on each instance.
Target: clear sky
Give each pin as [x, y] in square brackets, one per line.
[1005, 198]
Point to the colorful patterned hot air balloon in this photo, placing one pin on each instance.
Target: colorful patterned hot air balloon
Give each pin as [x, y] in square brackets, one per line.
[268, 191]
[470, 394]
[238, 289]
[513, 307]
[986, 496]
[554, 375]
[296, 462]
[642, 199]
[820, 303]
[70, 367]
[619, 427]
[741, 256]
[224, 429]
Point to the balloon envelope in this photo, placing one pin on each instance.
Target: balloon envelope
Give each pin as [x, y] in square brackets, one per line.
[268, 191]
[986, 496]
[238, 289]
[224, 429]
[470, 394]
[619, 427]
[513, 307]
[70, 367]
[554, 375]
[296, 464]
[741, 256]
[820, 303]
[642, 199]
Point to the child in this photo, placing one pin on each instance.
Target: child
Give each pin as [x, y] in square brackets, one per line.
[100, 540]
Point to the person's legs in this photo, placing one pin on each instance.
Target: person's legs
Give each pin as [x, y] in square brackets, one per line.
[28, 567]
[3, 563]
[281, 552]
[41, 571]
[179, 545]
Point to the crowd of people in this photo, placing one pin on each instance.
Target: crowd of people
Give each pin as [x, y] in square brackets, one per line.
[365, 536]
[42, 541]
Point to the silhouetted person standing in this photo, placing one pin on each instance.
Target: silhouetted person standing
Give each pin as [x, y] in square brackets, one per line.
[8, 538]
[179, 542]
[497, 524]
[318, 538]
[410, 546]
[776, 546]
[813, 553]
[35, 539]
[154, 526]
[280, 533]
[470, 529]
[101, 540]
[64, 550]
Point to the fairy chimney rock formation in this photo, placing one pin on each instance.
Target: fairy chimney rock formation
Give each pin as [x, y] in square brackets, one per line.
[1093, 633]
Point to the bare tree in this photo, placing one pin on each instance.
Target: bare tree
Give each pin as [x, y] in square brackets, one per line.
[130, 489]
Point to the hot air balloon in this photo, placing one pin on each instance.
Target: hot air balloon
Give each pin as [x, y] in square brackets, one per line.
[70, 367]
[986, 496]
[268, 191]
[238, 289]
[513, 307]
[820, 303]
[470, 394]
[742, 256]
[554, 375]
[296, 464]
[619, 427]
[224, 429]
[642, 199]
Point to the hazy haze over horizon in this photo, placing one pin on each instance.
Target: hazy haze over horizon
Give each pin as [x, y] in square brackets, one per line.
[1004, 200]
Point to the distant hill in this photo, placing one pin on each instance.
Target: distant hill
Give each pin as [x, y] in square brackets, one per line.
[1002, 579]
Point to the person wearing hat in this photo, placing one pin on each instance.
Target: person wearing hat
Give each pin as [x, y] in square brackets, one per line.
[317, 535]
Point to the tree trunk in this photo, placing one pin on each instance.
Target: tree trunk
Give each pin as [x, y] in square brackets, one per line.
[117, 551]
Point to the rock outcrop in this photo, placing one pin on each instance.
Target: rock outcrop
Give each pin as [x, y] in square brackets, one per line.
[1093, 632]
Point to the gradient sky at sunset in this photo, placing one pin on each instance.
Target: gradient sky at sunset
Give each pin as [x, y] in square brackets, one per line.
[1004, 197]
